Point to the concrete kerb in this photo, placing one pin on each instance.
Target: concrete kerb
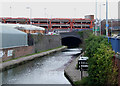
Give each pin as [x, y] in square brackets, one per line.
[14, 63]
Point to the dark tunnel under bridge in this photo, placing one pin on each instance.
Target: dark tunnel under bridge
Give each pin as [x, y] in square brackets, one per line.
[71, 39]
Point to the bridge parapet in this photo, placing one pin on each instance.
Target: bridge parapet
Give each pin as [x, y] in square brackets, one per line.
[70, 34]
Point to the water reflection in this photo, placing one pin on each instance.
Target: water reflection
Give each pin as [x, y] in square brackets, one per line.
[45, 70]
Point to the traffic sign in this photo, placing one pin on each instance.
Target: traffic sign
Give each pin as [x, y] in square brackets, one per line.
[98, 29]
[107, 25]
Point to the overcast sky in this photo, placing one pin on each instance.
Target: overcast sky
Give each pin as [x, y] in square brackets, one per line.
[56, 8]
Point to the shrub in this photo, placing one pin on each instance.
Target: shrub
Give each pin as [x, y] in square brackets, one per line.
[84, 35]
[83, 82]
[92, 43]
[101, 69]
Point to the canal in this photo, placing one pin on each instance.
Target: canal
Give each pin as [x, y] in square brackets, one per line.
[44, 70]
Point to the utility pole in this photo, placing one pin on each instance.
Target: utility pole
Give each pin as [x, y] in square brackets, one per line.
[107, 18]
[111, 27]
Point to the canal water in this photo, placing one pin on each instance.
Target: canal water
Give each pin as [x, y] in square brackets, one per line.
[44, 70]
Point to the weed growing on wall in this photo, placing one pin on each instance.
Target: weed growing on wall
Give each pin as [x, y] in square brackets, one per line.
[84, 35]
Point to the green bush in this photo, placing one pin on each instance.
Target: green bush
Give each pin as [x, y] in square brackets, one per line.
[84, 35]
[83, 82]
[92, 43]
[101, 69]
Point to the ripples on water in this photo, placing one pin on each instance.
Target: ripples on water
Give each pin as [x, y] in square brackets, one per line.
[45, 70]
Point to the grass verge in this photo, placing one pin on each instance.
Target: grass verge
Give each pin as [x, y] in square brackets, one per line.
[82, 82]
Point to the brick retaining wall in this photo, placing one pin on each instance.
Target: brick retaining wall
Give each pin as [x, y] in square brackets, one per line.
[117, 60]
[39, 43]
[17, 52]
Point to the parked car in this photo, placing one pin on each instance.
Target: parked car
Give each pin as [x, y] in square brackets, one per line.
[51, 33]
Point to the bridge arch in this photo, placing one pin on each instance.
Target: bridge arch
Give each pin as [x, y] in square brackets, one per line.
[71, 41]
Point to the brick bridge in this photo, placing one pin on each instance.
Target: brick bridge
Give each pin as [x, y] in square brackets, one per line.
[71, 39]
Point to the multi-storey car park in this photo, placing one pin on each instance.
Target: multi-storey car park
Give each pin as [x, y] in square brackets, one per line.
[53, 24]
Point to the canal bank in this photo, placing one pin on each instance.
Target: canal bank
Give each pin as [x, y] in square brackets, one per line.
[71, 73]
[45, 70]
[22, 60]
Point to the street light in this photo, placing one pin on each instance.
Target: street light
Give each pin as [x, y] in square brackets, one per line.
[10, 11]
[45, 12]
[100, 17]
[30, 13]
[74, 12]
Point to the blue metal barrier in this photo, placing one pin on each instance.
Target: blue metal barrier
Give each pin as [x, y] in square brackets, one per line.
[115, 42]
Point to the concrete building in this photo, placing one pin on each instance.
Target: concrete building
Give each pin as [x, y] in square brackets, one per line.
[12, 41]
[15, 20]
[55, 23]
[114, 26]
[15, 43]
[10, 37]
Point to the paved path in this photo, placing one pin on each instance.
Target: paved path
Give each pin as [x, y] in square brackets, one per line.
[72, 73]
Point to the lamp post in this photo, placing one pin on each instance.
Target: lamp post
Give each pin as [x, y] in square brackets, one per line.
[107, 18]
[111, 27]
[30, 13]
[74, 12]
[45, 12]
[100, 17]
[96, 20]
[10, 11]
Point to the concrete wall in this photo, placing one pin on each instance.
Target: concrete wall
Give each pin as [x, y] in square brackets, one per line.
[40, 43]
[45, 42]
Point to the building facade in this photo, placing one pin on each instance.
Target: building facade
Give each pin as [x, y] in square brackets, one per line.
[55, 23]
